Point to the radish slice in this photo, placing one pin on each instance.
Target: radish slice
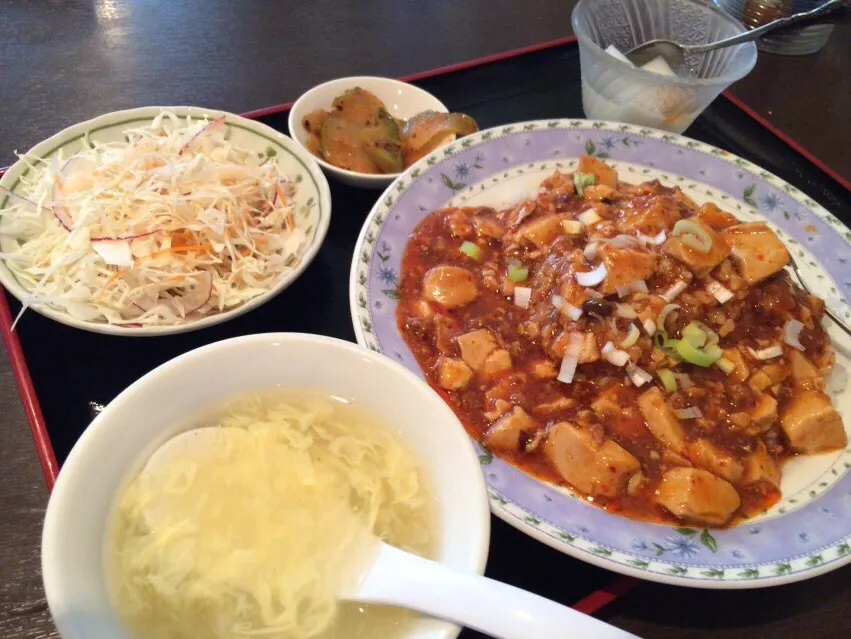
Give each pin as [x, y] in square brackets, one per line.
[718, 290]
[522, 296]
[588, 217]
[672, 293]
[590, 251]
[115, 253]
[570, 359]
[692, 412]
[218, 122]
[767, 353]
[118, 238]
[792, 334]
[199, 292]
[592, 278]
[649, 326]
[60, 211]
[638, 375]
[61, 215]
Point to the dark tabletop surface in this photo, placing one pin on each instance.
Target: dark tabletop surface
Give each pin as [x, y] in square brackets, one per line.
[64, 61]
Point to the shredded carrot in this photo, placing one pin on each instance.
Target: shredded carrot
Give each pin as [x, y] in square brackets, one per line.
[174, 250]
[280, 192]
[181, 238]
[190, 248]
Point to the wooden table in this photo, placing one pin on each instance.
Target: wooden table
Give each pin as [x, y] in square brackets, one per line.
[63, 62]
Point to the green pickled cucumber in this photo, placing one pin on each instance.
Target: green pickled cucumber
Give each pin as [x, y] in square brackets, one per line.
[383, 143]
[342, 147]
[359, 106]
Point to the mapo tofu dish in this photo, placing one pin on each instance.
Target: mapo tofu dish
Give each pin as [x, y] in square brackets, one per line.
[651, 354]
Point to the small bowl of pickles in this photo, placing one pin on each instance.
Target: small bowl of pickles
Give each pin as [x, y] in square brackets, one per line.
[365, 131]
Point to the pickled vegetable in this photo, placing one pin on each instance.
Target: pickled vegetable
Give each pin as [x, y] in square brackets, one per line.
[359, 134]
[383, 143]
[341, 145]
[430, 130]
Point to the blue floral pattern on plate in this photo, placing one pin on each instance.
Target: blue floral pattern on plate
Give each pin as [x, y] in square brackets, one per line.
[809, 532]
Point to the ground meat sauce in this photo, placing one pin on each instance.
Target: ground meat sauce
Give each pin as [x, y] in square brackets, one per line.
[616, 432]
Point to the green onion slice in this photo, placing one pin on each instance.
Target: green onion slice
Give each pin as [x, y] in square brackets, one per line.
[581, 180]
[694, 355]
[726, 365]
[694, 335]
[472, 250]
[518, 273]
[669, 382]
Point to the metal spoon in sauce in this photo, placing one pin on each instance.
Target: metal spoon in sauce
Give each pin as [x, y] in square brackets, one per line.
[674, 53]
[382, 574]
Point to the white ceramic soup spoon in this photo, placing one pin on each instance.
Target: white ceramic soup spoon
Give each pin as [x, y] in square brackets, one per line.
[398, 578]
[382, 574]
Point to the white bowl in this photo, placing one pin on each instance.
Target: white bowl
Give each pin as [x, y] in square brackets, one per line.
[152, 409]
[313, 193]
[402, 100]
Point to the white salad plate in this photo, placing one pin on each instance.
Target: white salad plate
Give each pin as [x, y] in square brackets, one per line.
[808, 532]
[312, 199]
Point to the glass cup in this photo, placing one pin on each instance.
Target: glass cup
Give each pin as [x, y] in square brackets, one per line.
[615, 90]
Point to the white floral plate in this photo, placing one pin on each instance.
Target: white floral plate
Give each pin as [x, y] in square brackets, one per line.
[312, 200]
[809, 531]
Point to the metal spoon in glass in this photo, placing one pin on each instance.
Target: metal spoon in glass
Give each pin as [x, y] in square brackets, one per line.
[674, 53]
[378, 573]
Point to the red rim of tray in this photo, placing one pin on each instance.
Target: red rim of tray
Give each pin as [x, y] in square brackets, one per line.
[589, 604]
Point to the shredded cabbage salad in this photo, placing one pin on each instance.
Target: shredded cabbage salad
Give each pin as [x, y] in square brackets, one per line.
[171, 225]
